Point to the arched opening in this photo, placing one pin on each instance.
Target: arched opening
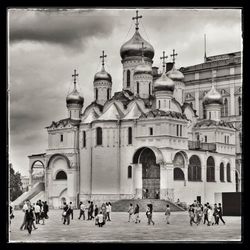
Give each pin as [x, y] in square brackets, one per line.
[179, 163]
[194, 168]
[129, 172]
[98, 136]
[37, 171]
[210, 169]
[61, 175]
[228, 173]
[222, 175]
[128, 78]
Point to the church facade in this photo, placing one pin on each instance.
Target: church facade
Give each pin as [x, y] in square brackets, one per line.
[145, 141]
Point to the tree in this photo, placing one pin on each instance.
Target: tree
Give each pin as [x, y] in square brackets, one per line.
[15, 184]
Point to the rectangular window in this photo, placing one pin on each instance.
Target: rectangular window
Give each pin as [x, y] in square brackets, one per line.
[151, 131]
[209, 115]
[177, 130]
[180, 130]
[225, 140]
[129, 135]
[138, 88]
[84, 139]
[205, 138]
[61, 138]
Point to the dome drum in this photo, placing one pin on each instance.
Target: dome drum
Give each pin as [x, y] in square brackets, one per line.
[143, 69]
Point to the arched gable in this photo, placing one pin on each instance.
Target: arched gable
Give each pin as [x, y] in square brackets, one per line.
[175, 106]
[56, 157]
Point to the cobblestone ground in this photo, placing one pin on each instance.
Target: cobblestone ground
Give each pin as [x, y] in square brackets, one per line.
[119, 229]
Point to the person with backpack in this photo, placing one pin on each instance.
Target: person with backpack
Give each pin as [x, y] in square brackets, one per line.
[66, 214]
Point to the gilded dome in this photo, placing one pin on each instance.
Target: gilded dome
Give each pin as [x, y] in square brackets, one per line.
[212, 97]
[164, 83]
[133, 47]
[143, 69]
[103, 75]
[74, 98]
[175, 74]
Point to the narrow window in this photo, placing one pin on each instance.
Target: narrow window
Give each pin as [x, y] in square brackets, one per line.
[205, 138]
[84, 139]
[138, 88]
[61, 138]
[228, 173]
[96, 93]
[180, 130]
[222, 172]
[151, 131]
[129, 172]
[128, 78]
[159, 104]
[209, 115]
[177, 130]
[225, 107]
[225, 139]
[99, 136]
[149, 89]
[107, 94]
[130, 135]
[239, 104]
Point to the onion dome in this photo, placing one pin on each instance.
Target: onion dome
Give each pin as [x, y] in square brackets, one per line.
[74, 98]
[103, 75]
[143, 69]
[133, 47]
[175, 74]
[212, 97]
[164, 83]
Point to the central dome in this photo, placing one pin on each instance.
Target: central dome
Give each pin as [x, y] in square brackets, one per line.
[134, 45]
[143, 69]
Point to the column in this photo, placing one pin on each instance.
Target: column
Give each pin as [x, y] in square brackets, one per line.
[138, 180]
[232, 101]
[167, 181]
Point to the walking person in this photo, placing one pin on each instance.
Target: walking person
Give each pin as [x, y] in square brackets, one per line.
[96, 211]
[42, 214]
[216, 215]
[136, 213]
[149, 214]
[130, 212]
[104, 212]
[30, 217]
[191, 212]
[89, 210]
[219, 210]
[167, 213]
[11, 215]
[82, 211]
[100, 219]
[198, 214]
[108, 211]
[209, 215]
[25, 207]
[71, 210]
[37, 212]
[46, 209]
[205, 214]
[66, 214]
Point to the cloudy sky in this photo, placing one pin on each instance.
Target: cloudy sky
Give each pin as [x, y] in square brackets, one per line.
[46, 45]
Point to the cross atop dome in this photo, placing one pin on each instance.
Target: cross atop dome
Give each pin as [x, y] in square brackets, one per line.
[136, 18]
[174, 55]
[103, 56]
[163, 59]
[74, 77]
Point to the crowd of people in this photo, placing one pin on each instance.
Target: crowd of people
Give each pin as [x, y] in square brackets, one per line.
[205, 214]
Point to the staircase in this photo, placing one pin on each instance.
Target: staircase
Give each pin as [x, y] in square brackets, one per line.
[158, 205]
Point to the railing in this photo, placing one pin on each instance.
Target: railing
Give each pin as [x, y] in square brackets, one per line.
[197, 145]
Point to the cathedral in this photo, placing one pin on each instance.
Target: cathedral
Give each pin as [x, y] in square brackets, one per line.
[144, 141]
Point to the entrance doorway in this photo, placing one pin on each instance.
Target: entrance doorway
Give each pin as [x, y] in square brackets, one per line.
[150, 175]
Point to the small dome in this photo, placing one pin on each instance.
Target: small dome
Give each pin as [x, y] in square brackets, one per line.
[164, 83]
[143, 69]
[74, 98]
[175, 74]
[133, 47]
[103, 75]
[213, 97]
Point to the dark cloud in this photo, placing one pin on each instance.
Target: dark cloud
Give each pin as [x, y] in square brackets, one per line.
[63, 27]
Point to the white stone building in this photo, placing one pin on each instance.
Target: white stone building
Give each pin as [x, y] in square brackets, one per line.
[146, 141]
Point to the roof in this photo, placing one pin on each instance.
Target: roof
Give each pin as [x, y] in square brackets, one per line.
[91, 116]
[112, 113]
[134, 112]
[63, 122]
[208, 123]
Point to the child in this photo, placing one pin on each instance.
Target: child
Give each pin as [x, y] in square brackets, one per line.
[100, 219]
[130, 212]
[167, 213]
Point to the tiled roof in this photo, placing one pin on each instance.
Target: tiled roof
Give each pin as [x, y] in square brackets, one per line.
[208, 123]
[161, 113]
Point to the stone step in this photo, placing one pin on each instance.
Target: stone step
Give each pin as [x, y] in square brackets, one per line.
[158, 205]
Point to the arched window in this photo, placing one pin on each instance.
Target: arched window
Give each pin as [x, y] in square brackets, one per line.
[228, 173]
[225, 107]
[130, 135]
[138, 88]
[239, 104]
[178, 174]
[96, 93]
[61, 175]
[159, 104]
[204, 111]
[129, 172]
[237, 181]
[128, 78]
[222, 178]
[149, 89]
[194, 168]
[98, 136]
[107, 94]
[84, 139]
[210, 169]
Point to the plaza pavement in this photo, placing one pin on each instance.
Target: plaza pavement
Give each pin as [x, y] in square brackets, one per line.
[120, 230]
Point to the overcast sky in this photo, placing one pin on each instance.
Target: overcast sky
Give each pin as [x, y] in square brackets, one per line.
[45, 46]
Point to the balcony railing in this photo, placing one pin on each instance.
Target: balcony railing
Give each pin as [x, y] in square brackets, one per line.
[198, 145]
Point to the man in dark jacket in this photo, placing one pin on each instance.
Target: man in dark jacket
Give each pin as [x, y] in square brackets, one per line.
[46, 209]
[219, 209]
